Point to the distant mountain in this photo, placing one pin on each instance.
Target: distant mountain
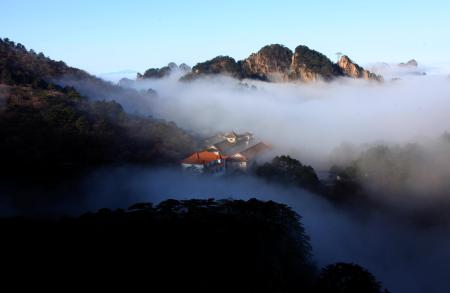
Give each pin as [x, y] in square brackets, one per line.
[118, 75]
[278, 63]
[165, 71]
[398, 71]
[410, 63]
[20, 66]
[54, 118]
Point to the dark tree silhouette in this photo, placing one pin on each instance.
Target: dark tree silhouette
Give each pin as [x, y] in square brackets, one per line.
[347, 278]
[285, 169]
[190, 245]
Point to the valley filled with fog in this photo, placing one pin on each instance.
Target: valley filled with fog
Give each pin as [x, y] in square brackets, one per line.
[334, 123]
[326, 123]
[366, 163]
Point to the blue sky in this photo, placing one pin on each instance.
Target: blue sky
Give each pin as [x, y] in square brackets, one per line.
[103, 36]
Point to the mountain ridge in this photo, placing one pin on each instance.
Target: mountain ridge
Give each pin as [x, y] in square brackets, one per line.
[277, 63]
[51, 123]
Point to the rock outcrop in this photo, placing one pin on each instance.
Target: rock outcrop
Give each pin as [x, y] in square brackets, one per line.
[156, 73]
[309, 65]
[219, 65]
[277, 63]
[351, 69]
[272, 62]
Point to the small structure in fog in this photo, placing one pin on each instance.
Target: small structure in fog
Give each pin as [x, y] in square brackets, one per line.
[252, 152]
[236, 162]
[232, 137]
[207, 161]
[226, 141]
[225, 153]
[231, 142]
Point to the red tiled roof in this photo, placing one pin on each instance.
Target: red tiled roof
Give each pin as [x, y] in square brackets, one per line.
[200, 158]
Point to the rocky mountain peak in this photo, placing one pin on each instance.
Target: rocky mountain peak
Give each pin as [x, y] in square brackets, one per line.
[410, 63]
[278, 63]
[351, 69]
[220, 64]
[272, 62]
[156, 73]
[310, 65]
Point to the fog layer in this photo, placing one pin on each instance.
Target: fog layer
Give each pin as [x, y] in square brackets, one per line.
[310, 119]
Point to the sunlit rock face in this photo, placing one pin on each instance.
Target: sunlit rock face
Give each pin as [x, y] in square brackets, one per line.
[309, 65]
[272, 62]
[303, 73]
[351, 69]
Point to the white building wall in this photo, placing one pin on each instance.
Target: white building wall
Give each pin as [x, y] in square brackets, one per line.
[195, 168]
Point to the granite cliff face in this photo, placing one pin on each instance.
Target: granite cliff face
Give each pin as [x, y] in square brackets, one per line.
[278, 63]
[309, 65]
[351, 69]
[272, 62]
